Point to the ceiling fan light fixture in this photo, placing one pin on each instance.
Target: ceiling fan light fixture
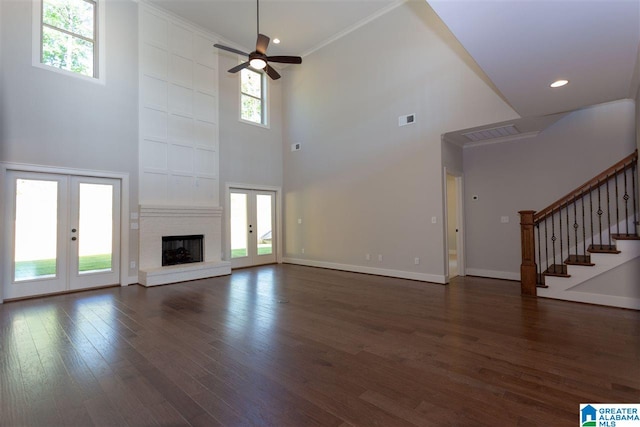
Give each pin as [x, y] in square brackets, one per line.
[559, 83]
[258, 63]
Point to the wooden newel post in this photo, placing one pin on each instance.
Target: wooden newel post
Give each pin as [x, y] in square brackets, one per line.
[528, 270]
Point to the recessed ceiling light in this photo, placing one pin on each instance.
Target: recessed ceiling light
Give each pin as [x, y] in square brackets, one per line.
[276, 41]
[559, 83]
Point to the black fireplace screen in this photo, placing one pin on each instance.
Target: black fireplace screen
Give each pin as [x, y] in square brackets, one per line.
[181, 249]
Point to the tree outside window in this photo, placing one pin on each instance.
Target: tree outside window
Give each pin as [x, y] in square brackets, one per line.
[252, 96]
[69, 35]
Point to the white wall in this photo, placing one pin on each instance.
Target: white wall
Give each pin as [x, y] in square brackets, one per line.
[360, 183]
[533, 173]
[56, 120]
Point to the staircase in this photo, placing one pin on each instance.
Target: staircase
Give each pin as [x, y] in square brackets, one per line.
[585, 246]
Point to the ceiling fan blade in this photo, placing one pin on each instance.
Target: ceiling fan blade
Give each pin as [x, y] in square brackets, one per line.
[239, 67]
[271, 72]
[285, 59]
[262, 44]
[230, 49]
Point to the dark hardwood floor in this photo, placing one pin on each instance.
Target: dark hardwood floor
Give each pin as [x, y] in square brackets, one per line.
[298, 346]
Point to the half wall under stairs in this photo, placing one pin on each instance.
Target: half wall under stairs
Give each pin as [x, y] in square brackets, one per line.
[613, 279]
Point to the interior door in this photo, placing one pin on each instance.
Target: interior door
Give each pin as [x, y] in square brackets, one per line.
[58, 227]
[252, 224]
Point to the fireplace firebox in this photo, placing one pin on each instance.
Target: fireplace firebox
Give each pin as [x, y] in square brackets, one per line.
[182, 249]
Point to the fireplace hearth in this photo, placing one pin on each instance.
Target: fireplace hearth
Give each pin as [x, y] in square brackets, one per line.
[182, 249]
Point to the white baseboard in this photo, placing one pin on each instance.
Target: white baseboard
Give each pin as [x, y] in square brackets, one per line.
[506, 275]
[597, 299]
[423, 277]
[131, 280]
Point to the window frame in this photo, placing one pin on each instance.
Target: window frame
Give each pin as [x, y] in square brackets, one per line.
[98, 42]
[264, 98]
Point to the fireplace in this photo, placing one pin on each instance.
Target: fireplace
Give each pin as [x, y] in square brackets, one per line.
[176, 223]
[182, 249]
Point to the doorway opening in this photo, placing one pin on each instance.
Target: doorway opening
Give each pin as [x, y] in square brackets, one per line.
[454, 226]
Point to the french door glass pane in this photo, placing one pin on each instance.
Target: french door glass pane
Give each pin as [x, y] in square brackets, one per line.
[239, 225]
[95, 228]
[36, 229]
[263, 207]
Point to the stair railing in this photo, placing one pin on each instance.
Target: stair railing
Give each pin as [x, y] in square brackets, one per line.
[585, 220]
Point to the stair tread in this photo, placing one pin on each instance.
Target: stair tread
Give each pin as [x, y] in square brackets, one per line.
[579, 260]
[625, 237]
[557, 270]
[603, 249]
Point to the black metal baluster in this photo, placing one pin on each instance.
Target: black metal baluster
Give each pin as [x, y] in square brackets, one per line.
[568, 235]
[546, 244]
[575, 224]
[626, 201]
[608, 212]
[539, 278]
[561, 239]
[599, 212]
[584, 229]
[635, 211]
[617, 175]
[593, 243]
[553, 240]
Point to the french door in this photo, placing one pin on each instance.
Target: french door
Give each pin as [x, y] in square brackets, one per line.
[252, 224]
[63, 233]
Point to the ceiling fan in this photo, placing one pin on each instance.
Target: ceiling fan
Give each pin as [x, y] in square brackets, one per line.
[258, 59]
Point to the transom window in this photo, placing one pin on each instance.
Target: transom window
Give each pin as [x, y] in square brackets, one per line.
[69, 35]
[253, 96]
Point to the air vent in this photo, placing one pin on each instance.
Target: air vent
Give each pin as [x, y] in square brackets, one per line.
[493, 133]
[406, 120]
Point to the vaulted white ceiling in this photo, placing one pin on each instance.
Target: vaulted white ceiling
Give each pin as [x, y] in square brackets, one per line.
[522, 45]
[301, 25]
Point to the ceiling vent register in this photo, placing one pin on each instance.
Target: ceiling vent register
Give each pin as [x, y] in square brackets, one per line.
[493, 133]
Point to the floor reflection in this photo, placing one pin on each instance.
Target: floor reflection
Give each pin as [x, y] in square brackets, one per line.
[253, 305]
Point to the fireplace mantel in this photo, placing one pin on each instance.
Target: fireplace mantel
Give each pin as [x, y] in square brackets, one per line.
[157, 221]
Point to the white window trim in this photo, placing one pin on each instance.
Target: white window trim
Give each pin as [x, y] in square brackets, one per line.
[265, 97]
[36, 43]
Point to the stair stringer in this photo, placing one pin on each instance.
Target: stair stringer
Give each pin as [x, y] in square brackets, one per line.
[564, 288]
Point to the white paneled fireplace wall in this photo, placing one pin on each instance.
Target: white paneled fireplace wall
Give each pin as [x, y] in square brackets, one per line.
[178, 146]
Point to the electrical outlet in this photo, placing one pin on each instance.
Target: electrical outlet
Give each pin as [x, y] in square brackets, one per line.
[299, 220]
[504, 219]
[134, 226]
[416, 260]
[132, 265]
[367, 257]
[296, 147]
[302, 250]
[434, 220]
